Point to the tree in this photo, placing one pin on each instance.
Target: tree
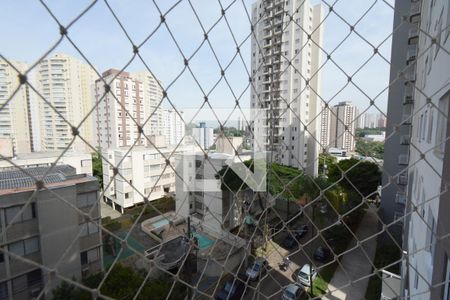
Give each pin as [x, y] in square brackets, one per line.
[370, 148]
[97, 167]
[365, 176]
[326, 159]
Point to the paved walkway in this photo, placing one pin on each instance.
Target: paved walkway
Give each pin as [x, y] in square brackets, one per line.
[355, 263]
[107, 211]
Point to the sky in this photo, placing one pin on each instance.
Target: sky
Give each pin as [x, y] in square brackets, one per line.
[28, 31]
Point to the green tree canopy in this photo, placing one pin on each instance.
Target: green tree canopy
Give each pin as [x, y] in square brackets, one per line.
[365, 176]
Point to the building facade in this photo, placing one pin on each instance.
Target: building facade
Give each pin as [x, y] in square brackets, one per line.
[173, 126]
[82, 162]
[48, 229]
[15, 117]
[120, 112]
[203, 135]
[285, 59]
[141, 169]
[152, 97]
[65, 82]
[342, 126]
[427, 269]
[400, 103]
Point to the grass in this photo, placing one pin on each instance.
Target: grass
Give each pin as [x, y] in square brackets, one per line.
[385, 255]
[320, 284]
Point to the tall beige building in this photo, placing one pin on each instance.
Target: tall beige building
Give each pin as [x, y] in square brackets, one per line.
[284, 102]
[342, 126]
[65, 82]
[15, 117]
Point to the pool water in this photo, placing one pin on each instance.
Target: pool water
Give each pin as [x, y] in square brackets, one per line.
[160, 223]
[203, 241]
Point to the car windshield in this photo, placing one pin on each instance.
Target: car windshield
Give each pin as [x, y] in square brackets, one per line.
[229, 286]
[289, 294]
[303, 275]
[256, 267]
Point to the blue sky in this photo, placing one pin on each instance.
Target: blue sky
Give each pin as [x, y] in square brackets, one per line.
[28, 31]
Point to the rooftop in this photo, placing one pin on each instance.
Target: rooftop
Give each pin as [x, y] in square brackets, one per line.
[24, 179]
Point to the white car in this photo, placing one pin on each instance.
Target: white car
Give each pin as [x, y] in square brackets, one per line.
[292, 292]
[306, 274]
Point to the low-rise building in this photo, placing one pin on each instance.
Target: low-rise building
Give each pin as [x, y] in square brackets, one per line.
[56, 227]
[82, 162]
[199, 192]
[141, 172]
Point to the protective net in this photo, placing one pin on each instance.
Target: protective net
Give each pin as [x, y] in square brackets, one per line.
[259, 208]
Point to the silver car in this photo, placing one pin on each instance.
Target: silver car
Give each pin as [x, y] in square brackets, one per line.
[306, 274]
[257, 269]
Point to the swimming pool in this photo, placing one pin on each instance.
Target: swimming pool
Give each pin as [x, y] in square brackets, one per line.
[160, 223]
[203, 241]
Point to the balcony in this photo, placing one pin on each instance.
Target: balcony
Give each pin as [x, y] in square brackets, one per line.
[413, 35]
[415, 9]
[267, 34]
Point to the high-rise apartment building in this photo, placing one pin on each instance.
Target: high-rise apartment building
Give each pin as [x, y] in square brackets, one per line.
[120, 112]
[342, 126]
[42, 228]
[285, 58]
[398, 129]
[15, 117]
[65, 82]
[427, 231]
[173, 126]
[325, 125]
[138, 94]
[152, 97]
[203, 135]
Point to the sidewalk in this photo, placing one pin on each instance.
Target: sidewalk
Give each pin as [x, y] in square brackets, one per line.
[355, 263]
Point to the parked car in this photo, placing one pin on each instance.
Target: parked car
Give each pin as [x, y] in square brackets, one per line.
[292, 292]
[257, 269]
[322, 254]
[306, 273]
[231, 290]
[301, 230]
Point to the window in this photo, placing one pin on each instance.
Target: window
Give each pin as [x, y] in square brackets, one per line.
[446, 279]
[86, 163]
[26, 281]
[431, 232]
[89, 256]
[416, 278]
[3, 290]
[441, 128]
[25, 247]
[127, 195]
[88, 228]
[86, 199]
[430, 126]
[28, 213]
